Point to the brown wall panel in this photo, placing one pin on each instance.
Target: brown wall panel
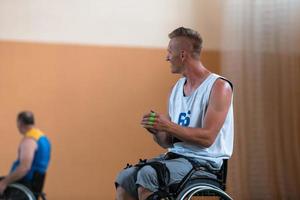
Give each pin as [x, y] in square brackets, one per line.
[89, 100]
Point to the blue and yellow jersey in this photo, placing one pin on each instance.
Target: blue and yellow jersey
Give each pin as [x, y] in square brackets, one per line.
[41, 156]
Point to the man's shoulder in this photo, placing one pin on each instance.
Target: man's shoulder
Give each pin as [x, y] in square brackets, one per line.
[35, 134]
[179, 82]
[222, 87]
[222, 81]
[28, 142]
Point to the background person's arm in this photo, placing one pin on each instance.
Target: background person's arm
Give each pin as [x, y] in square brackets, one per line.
[27, 150]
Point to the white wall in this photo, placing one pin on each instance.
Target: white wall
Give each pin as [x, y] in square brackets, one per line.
[108, 22]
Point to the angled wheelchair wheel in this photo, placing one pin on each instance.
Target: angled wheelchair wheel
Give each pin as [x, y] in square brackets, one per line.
[17, 191]
[202, 191]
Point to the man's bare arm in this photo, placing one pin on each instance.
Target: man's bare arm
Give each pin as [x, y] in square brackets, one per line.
[27, 149]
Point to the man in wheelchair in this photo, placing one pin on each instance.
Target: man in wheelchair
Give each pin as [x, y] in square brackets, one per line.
[198, 131]
[33, 157]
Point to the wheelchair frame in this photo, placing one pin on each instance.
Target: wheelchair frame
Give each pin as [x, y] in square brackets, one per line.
[190, 187]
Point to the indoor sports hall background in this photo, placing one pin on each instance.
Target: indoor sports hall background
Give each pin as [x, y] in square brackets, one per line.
[90, 69]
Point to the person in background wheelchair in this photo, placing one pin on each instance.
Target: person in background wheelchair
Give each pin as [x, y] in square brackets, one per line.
[33, 156]
[198, 130]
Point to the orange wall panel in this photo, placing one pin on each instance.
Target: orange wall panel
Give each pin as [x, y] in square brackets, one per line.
[89, 100]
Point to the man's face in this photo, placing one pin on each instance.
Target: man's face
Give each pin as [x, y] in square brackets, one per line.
[174, 56]
[20, 126]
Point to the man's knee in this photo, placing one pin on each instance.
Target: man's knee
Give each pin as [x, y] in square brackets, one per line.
[125, 182]
[130, 178]
[147, 178]
[125, 175]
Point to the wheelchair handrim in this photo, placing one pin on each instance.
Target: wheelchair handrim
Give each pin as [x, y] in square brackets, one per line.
[202, 188]
[27, 192]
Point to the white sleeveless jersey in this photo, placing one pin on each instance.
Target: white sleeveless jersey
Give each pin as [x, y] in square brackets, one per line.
[190, 111]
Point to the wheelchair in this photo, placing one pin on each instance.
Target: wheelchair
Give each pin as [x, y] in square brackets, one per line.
[26, 191]
[193, 187]
[202, 187]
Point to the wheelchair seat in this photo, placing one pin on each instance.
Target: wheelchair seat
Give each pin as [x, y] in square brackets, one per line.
[196, 186]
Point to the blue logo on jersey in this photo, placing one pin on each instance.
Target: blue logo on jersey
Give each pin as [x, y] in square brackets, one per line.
[184, 119]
